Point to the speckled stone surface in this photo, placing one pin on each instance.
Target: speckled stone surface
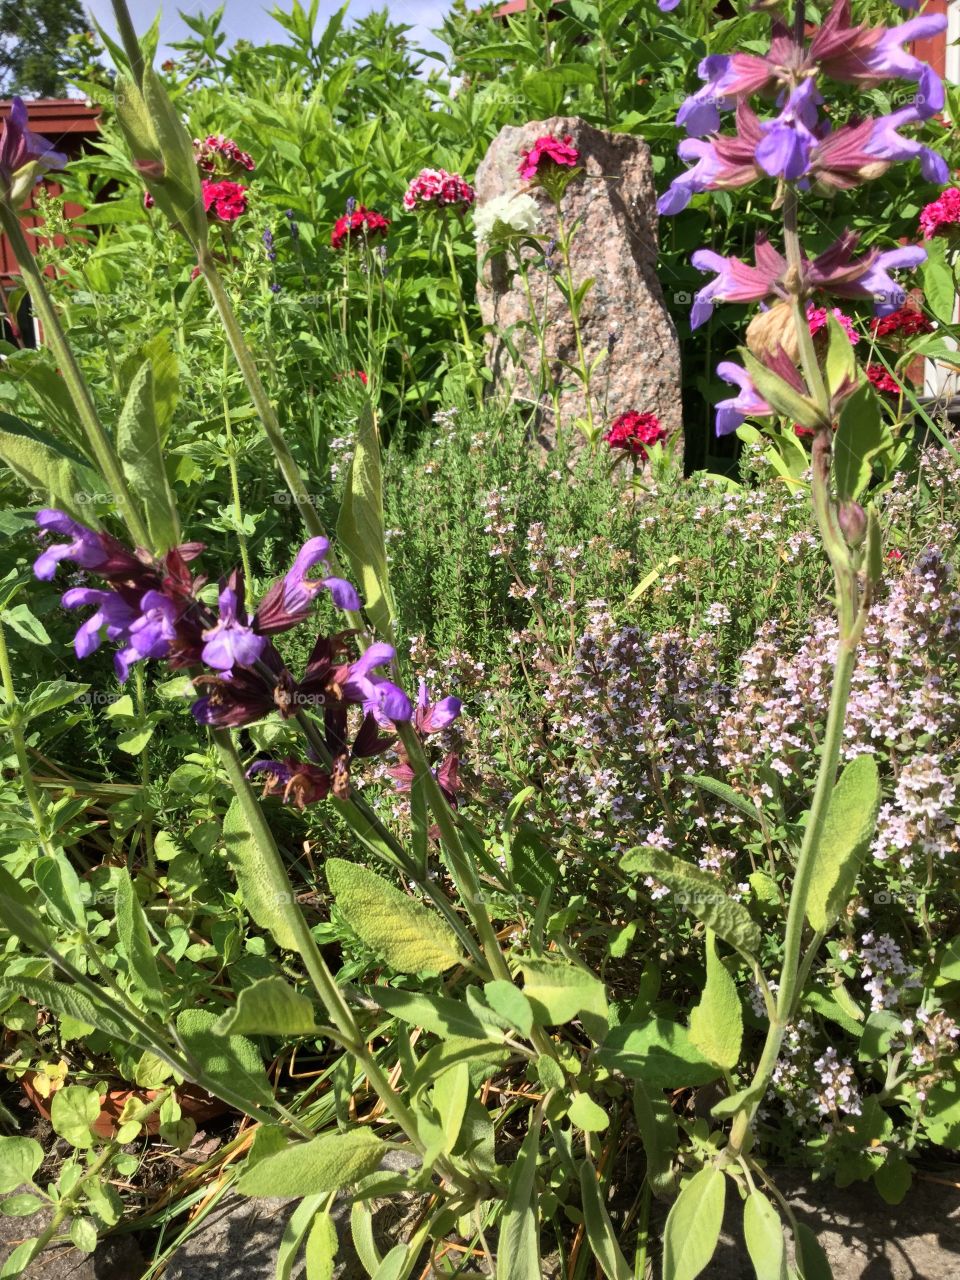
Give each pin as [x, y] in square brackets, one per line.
[616, 245]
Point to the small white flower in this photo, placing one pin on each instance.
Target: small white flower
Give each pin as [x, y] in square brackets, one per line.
[504, 216]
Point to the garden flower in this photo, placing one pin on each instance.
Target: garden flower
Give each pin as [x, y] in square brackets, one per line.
[907, 321]
[86, 548]
[882, 380]
[111, 612]
[268, 245]
[217, 152]
[437, 189]
[431, 717]
[447, 776]
[294, 780]
[634, 432]
[24, 155]
[940, 216]
[380, 697]
[817, 321]
[230, 642]
[787, 143]
[887, 143]
[358, 223]
[227, 201]
[546, 153]
[505, 216]
[299, 591]
[748, 403]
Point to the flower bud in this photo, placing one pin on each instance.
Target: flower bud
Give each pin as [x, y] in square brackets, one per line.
[853, 523]
[770, 330]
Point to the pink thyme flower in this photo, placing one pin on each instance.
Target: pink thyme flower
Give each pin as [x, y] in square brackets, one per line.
[817, 320]
[437, 189]
[633, 431]
[547, 151]
[227, 201]
[941, 216]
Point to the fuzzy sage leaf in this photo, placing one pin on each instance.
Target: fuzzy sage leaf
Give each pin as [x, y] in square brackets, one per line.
[847, 831]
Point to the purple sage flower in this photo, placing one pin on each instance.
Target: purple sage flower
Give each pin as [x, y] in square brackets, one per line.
[380, 697]
[24, 155]
[432, 717]
[230, 642]
[110, 612]
[700, 113]
[886, 144]
[85, 548]
[789, 140]
[747, 403]
[300, 591]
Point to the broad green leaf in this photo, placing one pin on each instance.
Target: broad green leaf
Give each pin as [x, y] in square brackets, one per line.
[395, 1264]
[403, 933]
[49, 695]
[658, 1052]
[510, 1003]
[21, 1206]
[482, 1056]
[862, 434]
[166, 379]
[17, 1262]
[658, 1131]
[451, 1092]
[587, 1114]
[600, 1233]
[847, 832]
[558, 991]
[232, 1061]
[322, 1245]
[440, 1015]
[693, 1225]
[841, 365]
[811, 1260]
[141, 453]
[83, 1234]
[21, 619]
[71, 1002]
[894, 1178]
[360, 526]
[59, 883]
[518, 1250]
[716, 1023]
[48, 469]
[701, 893]
[134, 943]
[269, 1007]
[323, 1164]
[939, 288]
[72, 1111]
[179, 189]
[20, 1158]
[267, 896]
[763, 1233]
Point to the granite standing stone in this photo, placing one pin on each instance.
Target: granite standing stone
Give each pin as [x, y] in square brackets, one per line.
[616, 245]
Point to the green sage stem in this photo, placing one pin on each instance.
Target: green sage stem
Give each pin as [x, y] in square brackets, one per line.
[100, 444]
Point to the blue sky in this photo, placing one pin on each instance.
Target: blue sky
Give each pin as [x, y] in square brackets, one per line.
[251, 19]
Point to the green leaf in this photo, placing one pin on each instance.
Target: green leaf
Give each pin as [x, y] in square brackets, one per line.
[518, 1252]
[600, 1233]
[141, 452]
[658, 1052]
[134, 943]
[322, 1245]
[20, 1158]
[360, 526]
[763, 1233]
[395, 1263]
[841, 364]
[59, 883]
[269, 1007]
[403, 933]
[780, 395]
[451, 1092]
[440, 1015]
[71, 1002]
[847, 832]
[558, 991]
[298, 1224]
[658, 1131]
[939, 288]
[894, 1178]
[323, 1164]
[49, 695]
[862, 434]
[230, 1060]
[21, 1206]
[178, 192]
[83, 1234]
[48, 469]
[716, 1023]
[693, 1225]
[587, 1114]
[267, 895]
[701, 894]
[18, 1261]
[811, 1260]
[510, 1003]
[725, 793]
[29, 627]
[72, 1111]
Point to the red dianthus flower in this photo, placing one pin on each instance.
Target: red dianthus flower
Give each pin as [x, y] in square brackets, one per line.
[941, 215]
[907, 321]
[882, 380]
[547, 151]
[361, 224]
[634, 431]
[226, 201]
